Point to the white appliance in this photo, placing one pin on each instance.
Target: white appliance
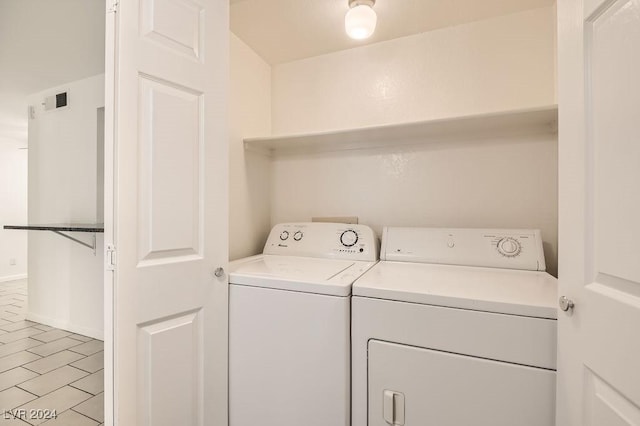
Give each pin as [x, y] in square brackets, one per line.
[455, 327]
[289, 325]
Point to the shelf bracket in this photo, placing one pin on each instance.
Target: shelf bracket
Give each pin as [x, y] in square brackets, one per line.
[91, 246]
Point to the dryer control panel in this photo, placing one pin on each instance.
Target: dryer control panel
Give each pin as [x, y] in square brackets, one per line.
[495, 248]
[323, 240]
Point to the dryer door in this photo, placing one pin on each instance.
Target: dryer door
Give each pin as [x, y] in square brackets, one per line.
[419, 387]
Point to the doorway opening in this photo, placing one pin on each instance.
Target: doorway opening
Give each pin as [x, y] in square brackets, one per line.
[52, 110]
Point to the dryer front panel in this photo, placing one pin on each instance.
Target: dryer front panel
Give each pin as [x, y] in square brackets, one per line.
[418, 387]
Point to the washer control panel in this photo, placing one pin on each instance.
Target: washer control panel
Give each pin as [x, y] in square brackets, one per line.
[494, 248]
[326, 240]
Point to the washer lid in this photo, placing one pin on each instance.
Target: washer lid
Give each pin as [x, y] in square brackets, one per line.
[309, 275]
[527, 293]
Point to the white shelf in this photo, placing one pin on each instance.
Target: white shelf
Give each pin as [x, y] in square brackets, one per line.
[494, 125]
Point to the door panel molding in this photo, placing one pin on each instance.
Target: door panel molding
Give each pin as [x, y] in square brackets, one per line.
[170, 366]
[611, 114]
[613, 344]
[605, 406]
[175, 24]
[171, 150]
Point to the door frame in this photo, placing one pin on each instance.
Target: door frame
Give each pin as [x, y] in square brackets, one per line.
[111, 34]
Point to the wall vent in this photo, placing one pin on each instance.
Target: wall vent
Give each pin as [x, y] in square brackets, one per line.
[59, 100]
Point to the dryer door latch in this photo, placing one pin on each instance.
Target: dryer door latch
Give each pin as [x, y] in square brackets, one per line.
[393, 407]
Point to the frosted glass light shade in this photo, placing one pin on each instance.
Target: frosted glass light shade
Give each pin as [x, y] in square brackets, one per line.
[360, 22]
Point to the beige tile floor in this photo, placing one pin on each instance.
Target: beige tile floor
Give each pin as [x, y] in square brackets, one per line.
[44, 369]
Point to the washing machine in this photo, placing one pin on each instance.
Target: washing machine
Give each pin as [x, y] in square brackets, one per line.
[455, 327]
[289, 325]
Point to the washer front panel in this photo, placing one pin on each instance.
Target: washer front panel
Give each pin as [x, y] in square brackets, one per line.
[289, 358]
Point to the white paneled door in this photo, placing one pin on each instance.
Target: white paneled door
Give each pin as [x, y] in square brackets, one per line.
[167, 78]
[599, 133]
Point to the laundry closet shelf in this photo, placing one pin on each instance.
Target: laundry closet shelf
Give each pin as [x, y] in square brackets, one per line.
[62, 228]
[66, 227]
[469, 127]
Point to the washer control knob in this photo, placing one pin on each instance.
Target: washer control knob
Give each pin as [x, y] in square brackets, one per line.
[509, 247]
[298, 236]
[349, 238]
[284, 235]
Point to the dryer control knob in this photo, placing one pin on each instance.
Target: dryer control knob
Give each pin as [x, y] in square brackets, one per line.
[509, 247]
[284, 235]
[349, 238]
[298, 235]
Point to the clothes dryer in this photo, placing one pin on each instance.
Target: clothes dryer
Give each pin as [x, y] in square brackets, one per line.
[455, 327]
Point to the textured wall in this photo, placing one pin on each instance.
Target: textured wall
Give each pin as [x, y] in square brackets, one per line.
[249, 186]
[486, 184]
[13, 210]
[498, 64]
[66, 279]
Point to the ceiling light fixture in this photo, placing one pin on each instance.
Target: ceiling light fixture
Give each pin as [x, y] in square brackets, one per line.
[360, 20]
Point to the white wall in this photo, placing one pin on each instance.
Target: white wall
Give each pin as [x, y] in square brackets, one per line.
[250, 111]
[502, 63]
[65, 279]
[13, 210]
[470, 183]
[496, 64]
[45, 43]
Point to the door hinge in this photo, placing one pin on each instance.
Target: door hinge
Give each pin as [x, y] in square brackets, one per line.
[114, 6]
[110, 257]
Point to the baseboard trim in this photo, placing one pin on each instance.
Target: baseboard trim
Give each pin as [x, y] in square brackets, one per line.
[13, 278]
[67, 326]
